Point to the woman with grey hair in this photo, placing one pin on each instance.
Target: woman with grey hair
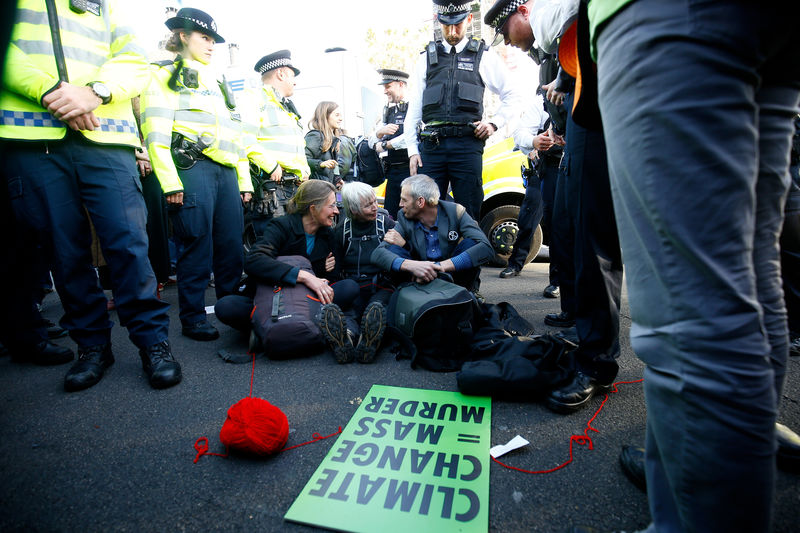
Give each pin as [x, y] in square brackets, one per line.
[355, 238]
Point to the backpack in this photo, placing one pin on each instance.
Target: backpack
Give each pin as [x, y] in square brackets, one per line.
[380, 230]
[369, 168]
[439, 318]
[283, 317]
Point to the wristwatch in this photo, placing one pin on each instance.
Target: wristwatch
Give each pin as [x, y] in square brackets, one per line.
[100, 90]
[383, 144]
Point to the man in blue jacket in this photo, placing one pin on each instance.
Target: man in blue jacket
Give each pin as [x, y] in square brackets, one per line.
[432, 237]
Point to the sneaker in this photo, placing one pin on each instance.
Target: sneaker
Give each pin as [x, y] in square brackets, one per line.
[551, 291]
[334, 329]
[373, 325]
[509, 272]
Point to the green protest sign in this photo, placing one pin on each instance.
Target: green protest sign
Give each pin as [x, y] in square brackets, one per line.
[408, 460]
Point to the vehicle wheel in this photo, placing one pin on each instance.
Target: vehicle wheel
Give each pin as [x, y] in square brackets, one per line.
[500, 226]
[248, 237]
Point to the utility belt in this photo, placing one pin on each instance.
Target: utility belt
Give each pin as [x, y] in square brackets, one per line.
[186, 153]
[434, 133]
[270, 197]
[397, 157]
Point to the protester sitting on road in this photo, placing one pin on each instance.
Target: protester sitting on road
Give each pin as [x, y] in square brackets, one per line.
[305, 231]
[355, 238]
[432, 237]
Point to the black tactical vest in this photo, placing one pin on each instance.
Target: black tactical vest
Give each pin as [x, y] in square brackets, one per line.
[453, 86]
[396, 114]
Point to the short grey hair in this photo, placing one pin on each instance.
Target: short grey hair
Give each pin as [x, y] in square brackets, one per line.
[422, 186]
[353, 194]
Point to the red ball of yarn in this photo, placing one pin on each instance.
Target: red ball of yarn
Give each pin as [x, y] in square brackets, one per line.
[254, 425]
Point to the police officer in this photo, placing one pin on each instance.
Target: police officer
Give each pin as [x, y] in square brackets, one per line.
[69, 138]
[275, 141]
[598, 260]
[388, 139]
[193, 136]
[448, 97]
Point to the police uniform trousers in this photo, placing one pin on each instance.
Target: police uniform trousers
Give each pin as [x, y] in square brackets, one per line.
[456, 162]
[49, 184]
[209, 226]
[547, 170]
[790, 253]
[157, 224]
[395, 174]
[562, 244]
[530, 214]
[699, 100]
[598, 260]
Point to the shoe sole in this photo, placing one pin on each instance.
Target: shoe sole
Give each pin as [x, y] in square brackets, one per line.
[506, 276]
[336, 333]
[370, 335]
[551, 295]
[569, 408]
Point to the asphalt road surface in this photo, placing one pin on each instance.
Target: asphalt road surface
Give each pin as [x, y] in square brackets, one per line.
[119, 456]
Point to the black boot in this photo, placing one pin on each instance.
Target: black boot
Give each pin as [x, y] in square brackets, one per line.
[200, 331]
[90, 367]
[575, 394]
[564, 319]
[45, 353]
[160, 366]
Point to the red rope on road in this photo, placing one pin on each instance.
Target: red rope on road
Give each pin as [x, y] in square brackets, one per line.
[583, 440]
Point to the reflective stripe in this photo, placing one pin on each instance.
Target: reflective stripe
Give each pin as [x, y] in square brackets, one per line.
[283, 130]
[198, 117]
[274, 146]
[70, 52]
[155, 137]
[39, 18]
[132, 48]
[157, 112]
[227, 146]
[40, 119]
[121, 31]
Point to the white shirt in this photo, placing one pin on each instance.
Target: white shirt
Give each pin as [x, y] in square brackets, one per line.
[533, 120]
[495, 76]
[398, 143]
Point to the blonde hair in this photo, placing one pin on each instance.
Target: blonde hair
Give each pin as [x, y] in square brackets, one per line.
[320, 122]
[311, 192]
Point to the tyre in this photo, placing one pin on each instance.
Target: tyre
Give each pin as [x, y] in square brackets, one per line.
[500, 226]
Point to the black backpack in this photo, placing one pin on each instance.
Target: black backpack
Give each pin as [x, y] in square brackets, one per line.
[439, 318]
[283, 317]
[369, 168]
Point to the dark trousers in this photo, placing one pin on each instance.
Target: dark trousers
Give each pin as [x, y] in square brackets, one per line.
[530, 214]
[699, 99]
[562, 246]
[395, 174]
[157, 224]
[209, 226]
[790, 253]
[548, 176]
[20, 322]
[456, 162]
[49, 185]
[598, 260]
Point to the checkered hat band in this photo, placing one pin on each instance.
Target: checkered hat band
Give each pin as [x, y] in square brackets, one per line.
[452, 8]
[275, 63]
[394, 77]
[34, 119]
[202, 23]
[505, 12]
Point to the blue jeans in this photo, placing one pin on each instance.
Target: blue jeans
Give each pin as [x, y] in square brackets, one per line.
[697, 100]
[52, 186]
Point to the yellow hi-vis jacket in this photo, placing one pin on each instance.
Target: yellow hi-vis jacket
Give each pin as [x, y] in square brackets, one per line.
[191, 112]
[97, 47]
[274, 135]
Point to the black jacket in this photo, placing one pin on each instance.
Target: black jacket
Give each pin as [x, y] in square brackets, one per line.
[285, 236]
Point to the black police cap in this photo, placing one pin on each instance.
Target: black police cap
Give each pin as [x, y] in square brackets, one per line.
[191, 19]
[389, 75]
[281, 58]
[451, 12]
[498, 14]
